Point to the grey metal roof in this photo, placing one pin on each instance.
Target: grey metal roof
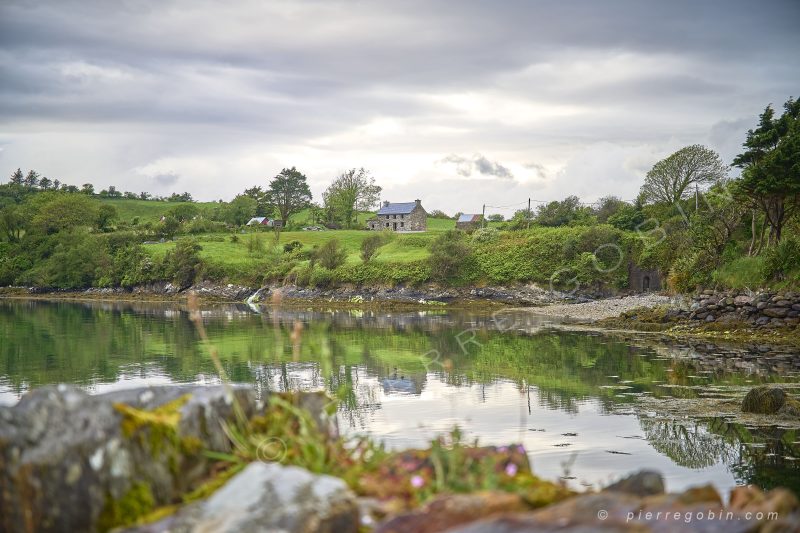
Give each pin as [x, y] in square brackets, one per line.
[469, 218]
[400, 208]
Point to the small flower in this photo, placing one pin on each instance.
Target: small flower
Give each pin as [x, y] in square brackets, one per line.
[502, 449]
[511, 469]
[521, 448]
[417, 481]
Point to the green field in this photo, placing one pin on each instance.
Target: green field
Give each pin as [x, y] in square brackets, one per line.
[219, 247]
[149, 210]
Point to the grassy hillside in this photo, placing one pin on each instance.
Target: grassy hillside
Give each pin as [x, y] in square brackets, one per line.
[149, 210]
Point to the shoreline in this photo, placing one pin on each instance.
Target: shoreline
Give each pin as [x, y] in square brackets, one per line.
[644, 313]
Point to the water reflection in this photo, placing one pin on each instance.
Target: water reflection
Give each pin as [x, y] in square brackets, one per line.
[406, 376]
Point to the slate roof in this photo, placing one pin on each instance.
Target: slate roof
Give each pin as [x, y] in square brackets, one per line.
[400, 208]
[258, 220]
[469, 218]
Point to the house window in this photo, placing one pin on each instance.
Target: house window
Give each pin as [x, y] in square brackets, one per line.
[402, 224]
[387, 224]
[402, 216]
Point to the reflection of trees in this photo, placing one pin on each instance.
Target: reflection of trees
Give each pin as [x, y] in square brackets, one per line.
[764, 455]
[688, 444]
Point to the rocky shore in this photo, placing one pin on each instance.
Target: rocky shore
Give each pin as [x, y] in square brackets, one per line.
[166, 459]
[522, 295]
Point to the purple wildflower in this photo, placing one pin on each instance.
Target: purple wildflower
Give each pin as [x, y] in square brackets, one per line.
[417, 481]
[511, 469]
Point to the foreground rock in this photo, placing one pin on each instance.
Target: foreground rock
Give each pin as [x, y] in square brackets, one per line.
[771, 400]
[70, 461]
[269, 497]
[697, 509]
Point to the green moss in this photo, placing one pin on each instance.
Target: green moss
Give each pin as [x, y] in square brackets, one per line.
[127, 510]
[159, 426]
[209, 487]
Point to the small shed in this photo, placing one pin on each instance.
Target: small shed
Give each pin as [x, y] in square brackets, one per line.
[469, 222]
[643, 280]
[258, 221]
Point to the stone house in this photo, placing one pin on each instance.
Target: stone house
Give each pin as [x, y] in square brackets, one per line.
[401, 216]
[468, 222]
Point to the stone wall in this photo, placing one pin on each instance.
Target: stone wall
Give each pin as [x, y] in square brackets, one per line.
[765, 309]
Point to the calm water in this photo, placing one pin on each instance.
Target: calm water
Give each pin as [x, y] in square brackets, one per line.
[571, 398]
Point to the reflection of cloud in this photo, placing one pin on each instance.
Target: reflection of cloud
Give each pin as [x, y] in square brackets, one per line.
[466, 166]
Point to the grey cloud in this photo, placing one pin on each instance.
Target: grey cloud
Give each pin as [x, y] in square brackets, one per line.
[466, 166]
[202, 80]
[166, 179]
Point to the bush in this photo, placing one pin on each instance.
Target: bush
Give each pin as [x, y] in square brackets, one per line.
[235, 239]
[484, 235]
[369, 247]
[331, 254]
[450, 252]
[183, 263]
[291, 246]
[782, 260]
[255, 244]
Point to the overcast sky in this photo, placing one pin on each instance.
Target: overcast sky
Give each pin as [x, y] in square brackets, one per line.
[458, 103]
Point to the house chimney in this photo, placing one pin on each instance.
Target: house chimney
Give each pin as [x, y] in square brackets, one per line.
[418, 202]
[385, 203]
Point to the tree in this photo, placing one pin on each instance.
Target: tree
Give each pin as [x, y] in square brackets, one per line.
[608, 206]
[106, 214]
[184, 212]
[240, 210]
[87, 188]
[670, 179]
[288, 192]
[18, 178]
[31, 179]
[56, 184]
[144, 195]
[12, 222]
[562, 213]
[175, 197]
[437, 213]
[495, 217]
[45, 183]
[263, 207]
[352, 191]
[770, 179]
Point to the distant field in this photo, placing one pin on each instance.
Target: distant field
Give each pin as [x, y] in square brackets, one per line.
[149, 210]
[401, 248]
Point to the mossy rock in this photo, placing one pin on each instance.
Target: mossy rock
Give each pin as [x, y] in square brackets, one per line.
[765, 400]
[790, 409]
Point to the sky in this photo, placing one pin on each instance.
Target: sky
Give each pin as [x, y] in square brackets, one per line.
[459, 104]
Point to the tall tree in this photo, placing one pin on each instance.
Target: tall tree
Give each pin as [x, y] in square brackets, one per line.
[31, 179]
[263, 207]
[670, 179]
[45, 183]
[87, 188]
[289, 192]
[18, 178]
[770, 164]
[351, 192]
